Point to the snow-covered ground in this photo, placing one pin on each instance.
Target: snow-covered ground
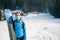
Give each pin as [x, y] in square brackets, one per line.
[42, 27]
[4, 34]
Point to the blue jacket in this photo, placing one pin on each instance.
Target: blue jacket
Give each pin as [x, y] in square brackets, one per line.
[19, 30]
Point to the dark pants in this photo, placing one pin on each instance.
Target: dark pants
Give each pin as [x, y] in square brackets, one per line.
[22, 38]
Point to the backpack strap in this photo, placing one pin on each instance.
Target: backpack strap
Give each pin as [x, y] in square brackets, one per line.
[13, 25]
[23, 24]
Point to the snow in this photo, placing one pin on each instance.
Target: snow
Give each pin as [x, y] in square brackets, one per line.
[4, 34]
[42, 27]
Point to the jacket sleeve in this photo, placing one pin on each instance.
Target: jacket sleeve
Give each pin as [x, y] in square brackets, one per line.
[10, 19]
[24, 32]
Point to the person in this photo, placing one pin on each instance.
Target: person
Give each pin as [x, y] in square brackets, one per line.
[19, 27]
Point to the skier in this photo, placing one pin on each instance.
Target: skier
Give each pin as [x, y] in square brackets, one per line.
[19, 27]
